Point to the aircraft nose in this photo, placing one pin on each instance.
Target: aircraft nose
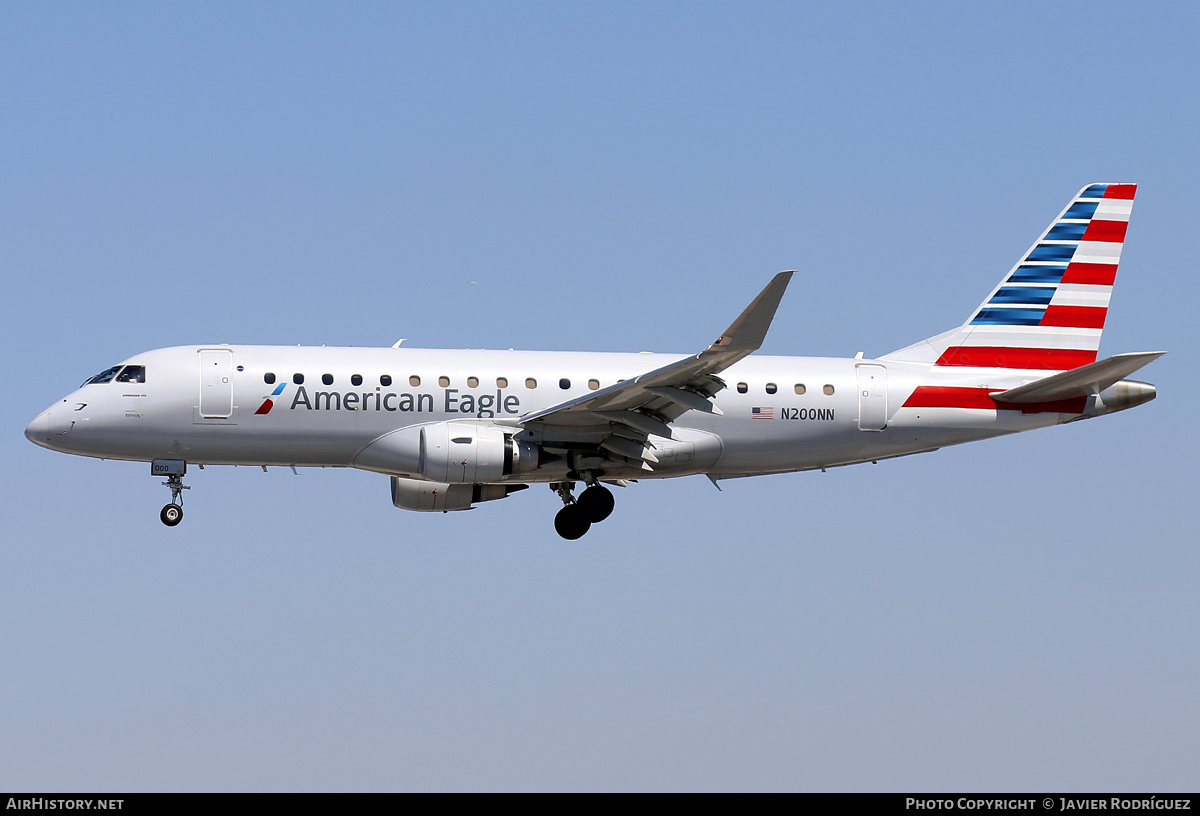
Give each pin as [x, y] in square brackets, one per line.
[38, 431]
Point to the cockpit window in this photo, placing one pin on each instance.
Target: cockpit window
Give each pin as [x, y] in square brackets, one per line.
[133, 374]
[103, 376]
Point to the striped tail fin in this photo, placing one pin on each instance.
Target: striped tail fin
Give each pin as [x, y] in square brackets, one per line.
[1048, 312]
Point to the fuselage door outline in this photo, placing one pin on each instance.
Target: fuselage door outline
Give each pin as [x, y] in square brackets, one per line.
[872, 397]
[216, 383]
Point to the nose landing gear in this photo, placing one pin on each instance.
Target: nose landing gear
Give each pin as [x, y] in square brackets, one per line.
[174, 470]
[171, 514]
[577, 516]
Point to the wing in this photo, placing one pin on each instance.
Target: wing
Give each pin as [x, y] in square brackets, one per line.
[612, 425]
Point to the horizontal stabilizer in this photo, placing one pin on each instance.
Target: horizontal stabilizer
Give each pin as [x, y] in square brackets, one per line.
[1079, 382]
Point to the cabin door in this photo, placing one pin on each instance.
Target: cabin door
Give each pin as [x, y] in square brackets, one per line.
[216, 383]
[872, 397]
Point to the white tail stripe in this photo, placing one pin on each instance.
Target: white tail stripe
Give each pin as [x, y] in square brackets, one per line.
[1035, 337]
[1081, 294]
[1110, 210]
[1097, 252]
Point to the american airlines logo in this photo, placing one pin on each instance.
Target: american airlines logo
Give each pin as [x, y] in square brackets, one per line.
[268, 403]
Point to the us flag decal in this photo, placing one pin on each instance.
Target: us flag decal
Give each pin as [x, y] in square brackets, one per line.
[762, 413]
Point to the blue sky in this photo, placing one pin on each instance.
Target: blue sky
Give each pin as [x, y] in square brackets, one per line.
[1019, 614]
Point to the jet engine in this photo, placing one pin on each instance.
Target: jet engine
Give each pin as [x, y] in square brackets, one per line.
[458, 453]
[417, 494]
[463, 453]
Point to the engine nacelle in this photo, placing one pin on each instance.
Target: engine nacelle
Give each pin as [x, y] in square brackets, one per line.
[463, 453]
[451, 452]
[439, 497]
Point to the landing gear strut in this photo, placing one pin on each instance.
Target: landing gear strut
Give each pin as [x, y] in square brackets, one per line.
[173, 469]
[594, 505]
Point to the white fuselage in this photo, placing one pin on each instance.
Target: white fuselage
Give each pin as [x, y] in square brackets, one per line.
[209, 405]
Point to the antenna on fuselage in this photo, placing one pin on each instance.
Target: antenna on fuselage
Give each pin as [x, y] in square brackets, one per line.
[399, 342]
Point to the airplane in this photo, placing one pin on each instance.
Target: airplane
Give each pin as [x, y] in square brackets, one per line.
[453, 428]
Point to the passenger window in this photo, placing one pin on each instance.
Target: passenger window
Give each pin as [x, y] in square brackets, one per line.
[414, 381]
[133, 374]
[103, 376]
[772, 388]
[564, 383]
[269, 378]
[742, 388]
[828, 389]
[502, 382]
[472, 382]
[800, 389]
[530, 382]
[356, 379]
[443, 381]
[298, 379]
[593, 384]
[327, 379]
[385, 379]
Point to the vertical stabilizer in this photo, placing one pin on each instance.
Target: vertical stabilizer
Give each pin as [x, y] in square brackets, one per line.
[1048, 312]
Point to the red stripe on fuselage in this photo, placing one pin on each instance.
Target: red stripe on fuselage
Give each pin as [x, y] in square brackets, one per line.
[1075, 405]
[939, 396]
[1076, 317]
[1003, 357]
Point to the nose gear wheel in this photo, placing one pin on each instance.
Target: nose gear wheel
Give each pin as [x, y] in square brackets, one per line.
[171, 514]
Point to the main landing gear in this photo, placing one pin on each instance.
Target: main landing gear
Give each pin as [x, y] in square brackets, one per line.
[174, 470]
[594, 505]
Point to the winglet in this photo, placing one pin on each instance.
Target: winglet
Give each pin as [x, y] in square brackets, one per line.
[750, 329]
